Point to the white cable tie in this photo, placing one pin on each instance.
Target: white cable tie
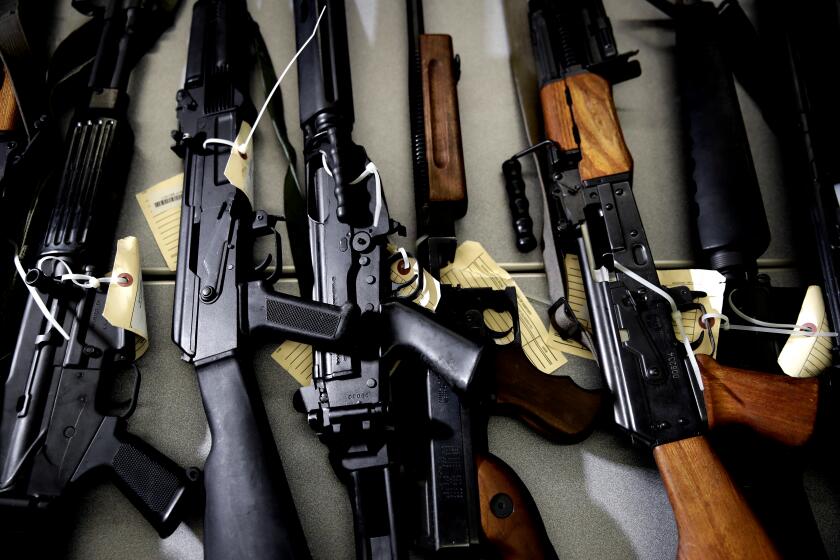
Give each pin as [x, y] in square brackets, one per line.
[38, 301]
[754, 321]
[406, 262]
[371, 169]
[676, 315]
[324, 163]
[221, 141]
[807, 329]
[244, 145]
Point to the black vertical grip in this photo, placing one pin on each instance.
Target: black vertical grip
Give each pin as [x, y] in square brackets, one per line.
[249, 512]
[523, 226]
[155, 484]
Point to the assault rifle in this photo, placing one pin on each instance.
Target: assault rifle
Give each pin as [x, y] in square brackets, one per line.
[714, 46]
[348, 403]
[664, 399]
[447, 447]
[57, 425]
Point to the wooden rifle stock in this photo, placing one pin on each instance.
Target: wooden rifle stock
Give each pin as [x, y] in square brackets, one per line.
[509, 517]
[552, 405]
[444, 150]
[778, 407]
[8, 105]
[713, 519]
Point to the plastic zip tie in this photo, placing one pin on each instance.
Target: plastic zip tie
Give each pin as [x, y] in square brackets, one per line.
[371, 169]
[39, 301]
[797, 330]
[241, 148]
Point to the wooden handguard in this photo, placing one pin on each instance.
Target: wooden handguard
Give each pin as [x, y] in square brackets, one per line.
[509, 518]
[778, 407]
[713, 519]
[8, 105]
[590, 123]
[444, 151]
[553, 405]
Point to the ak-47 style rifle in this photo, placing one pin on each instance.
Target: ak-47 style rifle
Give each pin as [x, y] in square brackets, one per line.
[223, 300]
[349, 403]
[57, 425]
[664, 399]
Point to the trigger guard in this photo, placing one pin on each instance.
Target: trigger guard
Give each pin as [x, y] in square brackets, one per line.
[278, 248]
[135, 394]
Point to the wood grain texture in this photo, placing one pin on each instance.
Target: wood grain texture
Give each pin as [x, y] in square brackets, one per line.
[776, 406]
[714, 521]
[522, 534]
[444, 150]
[8, 105]
[553, 405]
[592, 124]
[557, 115]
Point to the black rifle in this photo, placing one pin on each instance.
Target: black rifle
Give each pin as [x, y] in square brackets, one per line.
[57, 424]
[348, 402]
[222, 298]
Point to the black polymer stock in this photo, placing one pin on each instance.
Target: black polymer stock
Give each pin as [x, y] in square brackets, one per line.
[349, 400]
[56, 426]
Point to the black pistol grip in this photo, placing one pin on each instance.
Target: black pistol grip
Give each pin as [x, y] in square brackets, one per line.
[249, 512]
[154, 483]
[157, 486]
[298, 319]
[523, 225]
[450, 355]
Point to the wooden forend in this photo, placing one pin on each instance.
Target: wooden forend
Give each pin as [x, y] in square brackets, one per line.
[579, 112]
[444, 151]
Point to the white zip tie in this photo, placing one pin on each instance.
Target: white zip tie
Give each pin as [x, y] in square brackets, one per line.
[40, 302]
[675, 315]
[806, 329]
[221, 141]
[244, 146]
[370, 169]
[90, 282]
[406, 262]
[324, 163]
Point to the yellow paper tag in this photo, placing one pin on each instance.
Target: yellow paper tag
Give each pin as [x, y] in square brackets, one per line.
[240, 169]
[124, 305]
[161, 206]
[709, 281]
[474, 268]
[296, 359]
[807, 356]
